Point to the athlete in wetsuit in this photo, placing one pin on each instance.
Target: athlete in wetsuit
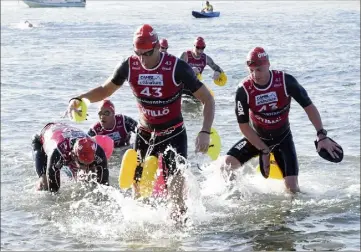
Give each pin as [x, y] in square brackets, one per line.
[117, 126]
[263, 102]
[198, 60]
[157, 81]
[61, 145]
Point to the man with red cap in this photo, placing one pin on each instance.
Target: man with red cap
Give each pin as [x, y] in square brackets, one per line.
[198, 60]
[163, 45]
[117, 126]
[157, 81]
[262, 105]
[59, 145]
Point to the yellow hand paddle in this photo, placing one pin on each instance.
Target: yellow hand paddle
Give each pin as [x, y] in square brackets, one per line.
[275, 171]
[199, 76]
[80, 113]
[221, 80]
[214, 145]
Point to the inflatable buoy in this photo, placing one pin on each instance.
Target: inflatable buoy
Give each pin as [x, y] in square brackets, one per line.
[275, 171]
[80, 113]
[146, 182]
[214, 148]
[127, 169]
[106, 143]
[221, 80]
[160, 186]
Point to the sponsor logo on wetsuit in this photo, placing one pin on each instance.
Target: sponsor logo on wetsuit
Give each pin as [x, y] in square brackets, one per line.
[150, 79]
[266, 98]
[240, 108]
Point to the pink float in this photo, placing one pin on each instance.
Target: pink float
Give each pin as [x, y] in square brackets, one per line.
[106, 143]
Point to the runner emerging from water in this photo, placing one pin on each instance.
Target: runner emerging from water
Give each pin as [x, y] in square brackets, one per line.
[157, 81]
[262, 105]
[198, 60]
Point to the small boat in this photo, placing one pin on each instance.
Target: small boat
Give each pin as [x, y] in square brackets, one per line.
[198, 14]
[54, 3]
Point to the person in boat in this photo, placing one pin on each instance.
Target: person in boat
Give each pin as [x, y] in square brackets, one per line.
[157, 81]
[59, 145]
[207, 8]
[117, 126]
[198, 60]
[262, 108]
[163, 45]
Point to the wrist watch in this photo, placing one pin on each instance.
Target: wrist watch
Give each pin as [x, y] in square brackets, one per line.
[322, 132]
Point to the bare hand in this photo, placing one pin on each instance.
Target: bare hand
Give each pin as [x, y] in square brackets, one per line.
[216, 75]
[202, 142]
[73, 105]
[331, 147]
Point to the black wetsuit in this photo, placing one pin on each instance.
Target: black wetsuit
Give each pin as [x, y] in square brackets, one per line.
[51, 165]
[177, 138]
[281, 138]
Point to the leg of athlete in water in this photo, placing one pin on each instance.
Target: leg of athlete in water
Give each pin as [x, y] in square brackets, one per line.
[286, 158]
[141, 147]
[175, 182]
[238, 155]
[173, 159]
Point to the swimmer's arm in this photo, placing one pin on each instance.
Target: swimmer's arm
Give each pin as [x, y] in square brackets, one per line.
[213, 65]
[296, 91]
[242, 114]
[54, 164]
[252, 136]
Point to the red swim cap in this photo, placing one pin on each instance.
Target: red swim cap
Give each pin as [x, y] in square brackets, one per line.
[84, 148]
[145, 37]
[108, 105]
[257, 57]
[163, 43]
[199, 42]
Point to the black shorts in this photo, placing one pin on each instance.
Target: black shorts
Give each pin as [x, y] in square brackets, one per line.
[284, 153]
[177, 140]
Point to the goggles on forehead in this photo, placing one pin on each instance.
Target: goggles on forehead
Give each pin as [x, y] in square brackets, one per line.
[256, 62]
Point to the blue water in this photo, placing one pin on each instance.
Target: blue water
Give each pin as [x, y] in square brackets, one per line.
[71, 50]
